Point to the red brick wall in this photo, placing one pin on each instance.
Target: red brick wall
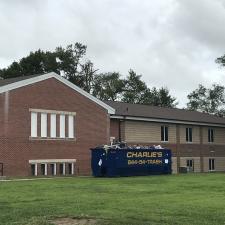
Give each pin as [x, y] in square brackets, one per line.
[16, 149]
[114, 128]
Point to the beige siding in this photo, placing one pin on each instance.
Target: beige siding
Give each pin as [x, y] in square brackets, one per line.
[197, 167]
[147, 132]
[195, 134]
[219, 136]
[122, 127]
[219, 164]
[174, 165]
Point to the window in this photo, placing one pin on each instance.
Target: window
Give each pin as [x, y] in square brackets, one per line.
[211, 164]
[71, 126]
[190, 165]
[32, 166]
[164, 133]
[71, 168]
[33, 124]
[43, 124]
[53, 169]
[210, 135]
[62, 126]
[44, 168]
[189, 134]
[62, 168]
[53, 126]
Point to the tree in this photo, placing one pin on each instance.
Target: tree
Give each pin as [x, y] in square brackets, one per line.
[64, 61]
[208, 100]
[69, 61]
[221, 61]
[160, 97]
[108, 86]
[36, 63]
[135, 89]
[87, 76]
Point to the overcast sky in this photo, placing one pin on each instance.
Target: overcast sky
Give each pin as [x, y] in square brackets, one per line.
[172, 43]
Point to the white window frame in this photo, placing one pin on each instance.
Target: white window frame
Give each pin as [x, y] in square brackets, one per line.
[64, 168]
[35, 168]
[49, 126]
[55, 169]
[44, 125]
[33, 131]
[189, 139]
[62, 126]
[211, 135]
[46, 169]
[164, 133]
[70, 126]
[72, 169]
[53, 125]
[210, 164]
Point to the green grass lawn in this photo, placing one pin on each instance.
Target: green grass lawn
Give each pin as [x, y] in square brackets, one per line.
[174, 199]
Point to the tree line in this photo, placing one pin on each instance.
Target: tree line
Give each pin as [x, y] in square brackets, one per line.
[70, 63]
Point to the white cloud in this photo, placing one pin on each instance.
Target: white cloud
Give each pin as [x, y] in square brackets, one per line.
[172, 43]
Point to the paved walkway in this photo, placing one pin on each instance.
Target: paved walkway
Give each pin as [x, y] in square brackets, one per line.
[32, 179]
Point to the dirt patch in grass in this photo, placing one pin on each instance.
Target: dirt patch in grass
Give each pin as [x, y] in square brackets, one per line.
[74, 221]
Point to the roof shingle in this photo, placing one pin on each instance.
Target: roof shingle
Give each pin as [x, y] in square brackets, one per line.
[154, 112]
[4, 82]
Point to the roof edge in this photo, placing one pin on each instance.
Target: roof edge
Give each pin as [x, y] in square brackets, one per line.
[46, 76]
[151, 119]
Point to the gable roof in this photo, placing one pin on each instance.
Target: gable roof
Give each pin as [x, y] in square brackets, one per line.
[154, 113]
[4, 82]
[14, 83]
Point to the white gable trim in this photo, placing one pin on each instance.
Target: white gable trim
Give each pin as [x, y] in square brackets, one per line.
[33, 80]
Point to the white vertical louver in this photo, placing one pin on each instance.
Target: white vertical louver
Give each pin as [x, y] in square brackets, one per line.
[53, 126]
[33, 124]
[43, 124]
[71, 126]
[62, 126]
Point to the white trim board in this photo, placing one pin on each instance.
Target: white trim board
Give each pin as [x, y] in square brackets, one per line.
[46, 76]
[166, 121]
[52, 161]
[52, 111]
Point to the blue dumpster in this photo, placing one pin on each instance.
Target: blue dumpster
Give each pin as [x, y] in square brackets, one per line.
[113, 162]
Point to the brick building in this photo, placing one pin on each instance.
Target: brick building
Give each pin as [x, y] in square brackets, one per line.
[48, 125]
[197, 140]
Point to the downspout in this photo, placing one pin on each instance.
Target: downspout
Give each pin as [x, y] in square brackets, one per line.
[119, 130]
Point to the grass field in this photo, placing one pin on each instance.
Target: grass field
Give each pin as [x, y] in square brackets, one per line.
[176, 199]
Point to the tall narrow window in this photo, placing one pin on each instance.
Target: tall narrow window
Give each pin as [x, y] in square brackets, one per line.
[189, 134]
[211, 164]
[62, 126]
[32, 169]
[210, 135]
[33, 124]
[43, 124]
[53, 169]
[164, 133]
[44, 169]
[53, 126]
[62, 168]
[71, 126]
